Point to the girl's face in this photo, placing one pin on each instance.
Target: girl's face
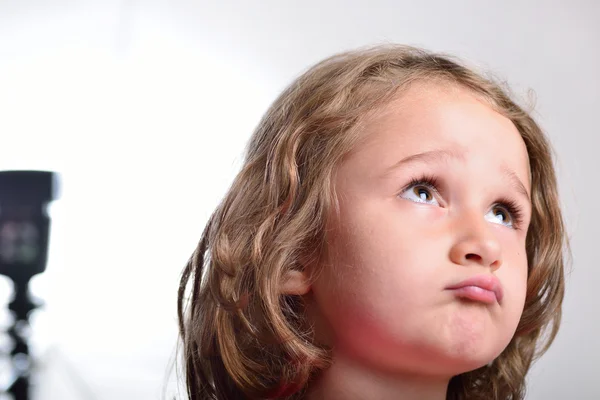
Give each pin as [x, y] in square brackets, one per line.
[436, 194]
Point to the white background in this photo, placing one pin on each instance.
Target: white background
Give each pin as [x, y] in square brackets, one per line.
[144, 107]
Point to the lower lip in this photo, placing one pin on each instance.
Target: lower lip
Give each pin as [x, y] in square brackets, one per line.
[475, 293]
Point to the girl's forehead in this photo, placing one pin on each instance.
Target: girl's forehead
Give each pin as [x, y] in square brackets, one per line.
[452, 121]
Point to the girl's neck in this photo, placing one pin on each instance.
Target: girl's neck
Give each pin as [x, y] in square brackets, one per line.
[346, 380]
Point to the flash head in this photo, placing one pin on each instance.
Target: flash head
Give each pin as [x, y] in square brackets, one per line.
[24, 222]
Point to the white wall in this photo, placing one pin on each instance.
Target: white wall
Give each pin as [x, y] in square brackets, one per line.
[144, 107]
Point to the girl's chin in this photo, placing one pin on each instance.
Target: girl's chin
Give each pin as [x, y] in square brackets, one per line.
[459, 364]
[462, 366]
[434, 360]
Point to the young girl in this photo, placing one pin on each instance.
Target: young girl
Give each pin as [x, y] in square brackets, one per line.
[394, 233]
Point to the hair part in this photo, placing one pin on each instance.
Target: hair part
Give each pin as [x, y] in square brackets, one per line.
[241, 337]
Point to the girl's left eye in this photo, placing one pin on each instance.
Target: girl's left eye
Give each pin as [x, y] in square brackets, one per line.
[500, 215]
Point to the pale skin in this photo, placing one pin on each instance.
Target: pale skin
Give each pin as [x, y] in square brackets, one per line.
[383, 301]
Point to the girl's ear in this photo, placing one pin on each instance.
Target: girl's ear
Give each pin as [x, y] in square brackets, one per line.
[296, 283]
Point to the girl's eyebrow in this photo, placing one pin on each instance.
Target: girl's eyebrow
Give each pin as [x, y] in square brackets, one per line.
[439, 155]
[515, 182]
[431, 156]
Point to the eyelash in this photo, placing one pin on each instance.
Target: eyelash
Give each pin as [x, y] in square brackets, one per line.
[432, 183]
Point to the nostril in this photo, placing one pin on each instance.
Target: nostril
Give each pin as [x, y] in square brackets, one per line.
[472, 256]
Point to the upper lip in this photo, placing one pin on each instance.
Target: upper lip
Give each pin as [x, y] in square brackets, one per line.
[487, 282]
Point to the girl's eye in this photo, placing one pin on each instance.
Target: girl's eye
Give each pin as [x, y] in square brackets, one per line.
[505, 211]
[420, 193]
[500, 215]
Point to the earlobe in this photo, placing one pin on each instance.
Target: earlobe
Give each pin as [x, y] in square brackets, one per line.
[295, 283]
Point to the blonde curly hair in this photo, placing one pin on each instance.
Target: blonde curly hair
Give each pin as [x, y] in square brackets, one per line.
[241, 337]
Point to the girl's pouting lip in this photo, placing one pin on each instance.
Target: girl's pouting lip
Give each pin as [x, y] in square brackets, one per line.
[483, 288]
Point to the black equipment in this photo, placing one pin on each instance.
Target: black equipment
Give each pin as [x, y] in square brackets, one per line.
[24, 234]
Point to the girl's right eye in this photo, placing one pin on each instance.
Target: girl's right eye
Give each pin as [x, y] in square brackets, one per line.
[420, 192]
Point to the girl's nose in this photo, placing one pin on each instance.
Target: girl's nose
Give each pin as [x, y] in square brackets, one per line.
[476, 244]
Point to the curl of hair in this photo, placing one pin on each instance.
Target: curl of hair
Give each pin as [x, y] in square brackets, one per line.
[241, 337]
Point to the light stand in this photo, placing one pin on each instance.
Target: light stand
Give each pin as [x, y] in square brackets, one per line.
[24, 234]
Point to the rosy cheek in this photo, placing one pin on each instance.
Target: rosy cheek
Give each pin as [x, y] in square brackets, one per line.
[514, 279]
